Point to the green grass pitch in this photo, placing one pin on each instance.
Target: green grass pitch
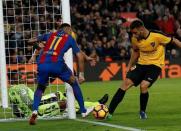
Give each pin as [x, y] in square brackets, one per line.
[164, 110]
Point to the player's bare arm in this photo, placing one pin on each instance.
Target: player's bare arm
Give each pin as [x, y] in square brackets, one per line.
[134, 57]
[36, 52]
[33, 57]
[80, 57]
[177, 42]
[92, 60]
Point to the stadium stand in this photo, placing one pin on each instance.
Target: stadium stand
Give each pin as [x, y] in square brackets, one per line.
[99, 27]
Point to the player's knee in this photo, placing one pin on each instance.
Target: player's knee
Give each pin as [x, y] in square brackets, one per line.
[144, 86]
[127, 84]
[72, 80]
[41, 87]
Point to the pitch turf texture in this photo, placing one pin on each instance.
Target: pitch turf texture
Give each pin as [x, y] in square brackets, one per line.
[164, 110]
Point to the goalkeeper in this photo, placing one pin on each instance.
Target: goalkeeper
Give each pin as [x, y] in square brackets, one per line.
[21, 98]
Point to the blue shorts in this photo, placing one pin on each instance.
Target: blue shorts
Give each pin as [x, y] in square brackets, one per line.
[46, 70]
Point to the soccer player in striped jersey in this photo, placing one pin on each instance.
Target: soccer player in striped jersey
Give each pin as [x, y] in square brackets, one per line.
[67, 28]
[50, 63]
[148, 52]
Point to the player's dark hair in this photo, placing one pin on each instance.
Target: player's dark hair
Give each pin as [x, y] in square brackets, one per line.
[62, 26]
[136, 24]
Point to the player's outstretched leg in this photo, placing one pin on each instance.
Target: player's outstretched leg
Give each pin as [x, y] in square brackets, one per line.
[37, 98]
[117, 98]
[104, 99]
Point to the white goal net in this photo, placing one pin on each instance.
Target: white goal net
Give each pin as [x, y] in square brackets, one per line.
[24, 19]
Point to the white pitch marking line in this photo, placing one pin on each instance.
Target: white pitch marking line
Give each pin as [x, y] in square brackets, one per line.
[109, 125]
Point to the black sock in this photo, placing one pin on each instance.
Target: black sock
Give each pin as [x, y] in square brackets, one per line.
[143, 101]
[116, 100]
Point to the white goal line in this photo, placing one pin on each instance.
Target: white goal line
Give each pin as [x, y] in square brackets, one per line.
[79, 120]
[109, 125]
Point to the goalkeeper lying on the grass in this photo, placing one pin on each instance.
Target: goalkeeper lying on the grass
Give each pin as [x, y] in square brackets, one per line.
[21, 98]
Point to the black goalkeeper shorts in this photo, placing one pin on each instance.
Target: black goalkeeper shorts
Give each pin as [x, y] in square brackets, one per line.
[148, 73]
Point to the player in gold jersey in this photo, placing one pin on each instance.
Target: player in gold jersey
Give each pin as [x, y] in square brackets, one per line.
[144, 67]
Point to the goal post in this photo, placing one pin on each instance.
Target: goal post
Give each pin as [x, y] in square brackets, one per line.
[69, 61]
[3, 72]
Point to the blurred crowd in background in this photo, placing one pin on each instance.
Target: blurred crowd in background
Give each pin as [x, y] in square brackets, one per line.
[98, 25]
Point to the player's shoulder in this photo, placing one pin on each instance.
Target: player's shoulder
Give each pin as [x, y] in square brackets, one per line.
[158, 33]
[133, 39]
[61, 33]
[70, 38]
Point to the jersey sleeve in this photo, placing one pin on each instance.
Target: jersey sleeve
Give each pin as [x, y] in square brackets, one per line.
[74, 45]
[164, 39]
[74, 35]
[44, 37]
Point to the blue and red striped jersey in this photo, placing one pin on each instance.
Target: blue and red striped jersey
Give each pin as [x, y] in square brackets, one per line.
[57, 43]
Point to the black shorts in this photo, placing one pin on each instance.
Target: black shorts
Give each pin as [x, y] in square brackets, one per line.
[148, 73]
